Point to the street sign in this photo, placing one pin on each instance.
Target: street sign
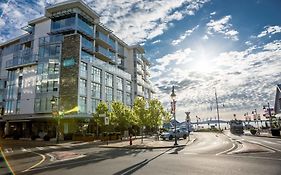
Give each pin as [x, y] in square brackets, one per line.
[102, 115]
[106, 120]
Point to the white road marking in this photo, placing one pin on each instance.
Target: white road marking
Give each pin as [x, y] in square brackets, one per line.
[51, 156]
[54, 147]
[40, 148]
[35, 165]
[233, 145]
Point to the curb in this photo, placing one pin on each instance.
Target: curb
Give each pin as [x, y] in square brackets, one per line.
[149, 147]
[142, 147]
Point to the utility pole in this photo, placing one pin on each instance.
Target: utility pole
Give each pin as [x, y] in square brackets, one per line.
[217, 109]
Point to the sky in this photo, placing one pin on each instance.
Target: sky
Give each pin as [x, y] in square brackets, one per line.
[198, 46]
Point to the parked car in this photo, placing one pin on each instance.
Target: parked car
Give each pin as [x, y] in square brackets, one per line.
[181, 133]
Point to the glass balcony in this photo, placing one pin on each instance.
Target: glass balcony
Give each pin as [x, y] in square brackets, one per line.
[102, 37]
[112, 69]
[25, 57]
[83, 26]
[88, 45]
[111, 42]
[51, 39]
[106, 53]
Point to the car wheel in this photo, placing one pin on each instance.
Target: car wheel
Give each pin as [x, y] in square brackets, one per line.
[184, 136]
[170, 137]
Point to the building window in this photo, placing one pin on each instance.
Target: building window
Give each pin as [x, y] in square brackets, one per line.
[96, 75]
[37, 104]
[96, 90]
[83, 69]
[119, 96]
[119, 83]
[128, 86]
[128, 99]
[95, 103]
[18, 107]
[83, 87]
[108, 79]
[82, 104]
[108, 94]
[53, 68]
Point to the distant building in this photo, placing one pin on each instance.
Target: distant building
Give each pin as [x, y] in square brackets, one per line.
[67, 53]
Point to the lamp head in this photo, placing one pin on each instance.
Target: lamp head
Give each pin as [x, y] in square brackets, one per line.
[53, 100]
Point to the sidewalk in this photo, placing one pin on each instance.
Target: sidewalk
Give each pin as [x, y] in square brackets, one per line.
[148, 143]
[262, 134]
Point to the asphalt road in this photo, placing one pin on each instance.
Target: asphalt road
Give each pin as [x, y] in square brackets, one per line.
[210, 154]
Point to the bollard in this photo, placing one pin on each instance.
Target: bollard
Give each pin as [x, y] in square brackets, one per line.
[131, 140]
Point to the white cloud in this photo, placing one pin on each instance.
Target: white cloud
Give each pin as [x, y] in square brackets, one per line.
[248, 43]
[222, 26]
[213, 13]
[242, 79]
[205, 37]
[156, 41]
[270, 30]
[273, 46]
[183, 36]
[133, 21]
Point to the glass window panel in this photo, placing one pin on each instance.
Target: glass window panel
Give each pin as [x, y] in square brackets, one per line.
[96, 75]
[119, 83]
[82, 104]
[108, 79]
[96, 90]
[108, 94]
[83, 69]
[119, 96]
[83, 87]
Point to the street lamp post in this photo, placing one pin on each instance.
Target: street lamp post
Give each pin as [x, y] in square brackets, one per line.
[173, 97]
[54, 113]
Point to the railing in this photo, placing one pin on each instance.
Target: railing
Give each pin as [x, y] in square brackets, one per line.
[102, 37]
[19, 60]
[87, 44]
[85, 27]
[50, 39]
[111, 69]
[106, 53]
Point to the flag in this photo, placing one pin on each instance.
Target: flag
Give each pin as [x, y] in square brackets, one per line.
[75, 109]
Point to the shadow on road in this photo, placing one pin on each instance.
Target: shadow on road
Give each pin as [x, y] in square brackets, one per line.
[139, 165]
[91, 158]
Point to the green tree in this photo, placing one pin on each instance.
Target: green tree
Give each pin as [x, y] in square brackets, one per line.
[102, 108]
[122, 116]
[155, 113]
[167, 117]
[140, 111]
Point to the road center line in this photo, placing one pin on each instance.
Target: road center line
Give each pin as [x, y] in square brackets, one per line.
[233, 145]
[37, 164]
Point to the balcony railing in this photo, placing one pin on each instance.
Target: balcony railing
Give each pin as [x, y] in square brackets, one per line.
[106, 53]
[111, 68]
[51, 39]
[22, 60]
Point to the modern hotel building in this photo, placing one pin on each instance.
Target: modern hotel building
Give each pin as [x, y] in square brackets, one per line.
[70, 55]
